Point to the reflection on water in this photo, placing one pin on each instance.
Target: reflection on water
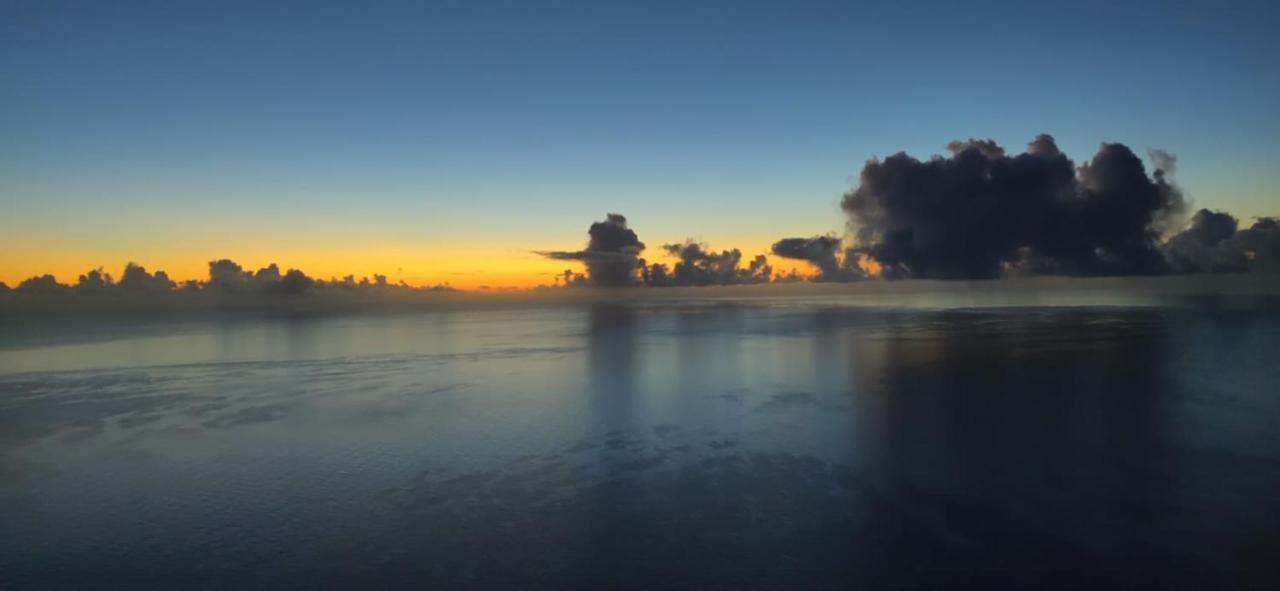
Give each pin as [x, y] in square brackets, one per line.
[668, 445]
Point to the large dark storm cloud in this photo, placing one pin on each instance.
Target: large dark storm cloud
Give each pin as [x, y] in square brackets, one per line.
[823, 252]
[1212, 243]
[980, 212]
[612, 253]
[1261, 244]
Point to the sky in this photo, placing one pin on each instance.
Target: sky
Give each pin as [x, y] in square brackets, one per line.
[444, 142]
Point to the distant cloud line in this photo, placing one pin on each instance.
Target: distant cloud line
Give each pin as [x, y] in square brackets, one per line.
[225, 277]
[977, 213]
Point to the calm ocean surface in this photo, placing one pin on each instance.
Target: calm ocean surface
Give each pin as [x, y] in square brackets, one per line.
[685, 444]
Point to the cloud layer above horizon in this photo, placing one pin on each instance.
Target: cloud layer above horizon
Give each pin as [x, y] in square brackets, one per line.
[976, 213]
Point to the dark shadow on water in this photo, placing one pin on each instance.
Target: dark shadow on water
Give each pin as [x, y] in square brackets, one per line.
[611, 350]
[1025, 448]
[999, 450]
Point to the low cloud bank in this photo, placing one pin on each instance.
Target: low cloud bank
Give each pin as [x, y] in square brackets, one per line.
[612, 259]
[976, 213]
[824, 254]
[225, 277]
[699, 265]
[1214, 243]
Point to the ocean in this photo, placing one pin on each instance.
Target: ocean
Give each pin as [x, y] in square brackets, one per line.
[757, 443]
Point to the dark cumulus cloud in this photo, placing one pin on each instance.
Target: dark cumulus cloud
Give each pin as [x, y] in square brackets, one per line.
[980, 212]
[612, 254]
[1261, 244]
[136, 279]
[226, 277]
[699, 265]
[612, 258]
[1213, 243]
[824, 253]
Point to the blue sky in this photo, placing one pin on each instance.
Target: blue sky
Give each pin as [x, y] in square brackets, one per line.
[201, 129]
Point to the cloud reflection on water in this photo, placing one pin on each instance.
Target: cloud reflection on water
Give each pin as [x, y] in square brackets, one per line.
[743, 445]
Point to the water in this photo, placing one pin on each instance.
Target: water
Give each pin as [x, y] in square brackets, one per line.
[765, 444]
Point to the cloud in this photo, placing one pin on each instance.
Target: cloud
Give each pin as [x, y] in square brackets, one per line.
[1165, 164]
[1203, 247]
[94, 281]
[979, 212]
[612, 253]
[612, 258]
[136, 279]
[226, 277]
[1261, 244]
[823, 252]
[42, 284]
[1212, 243]
[698, 265]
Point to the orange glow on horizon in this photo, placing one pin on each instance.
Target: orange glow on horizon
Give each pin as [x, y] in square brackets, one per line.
[462, 268]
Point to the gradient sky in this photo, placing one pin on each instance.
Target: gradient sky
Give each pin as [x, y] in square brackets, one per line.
[443, 143]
